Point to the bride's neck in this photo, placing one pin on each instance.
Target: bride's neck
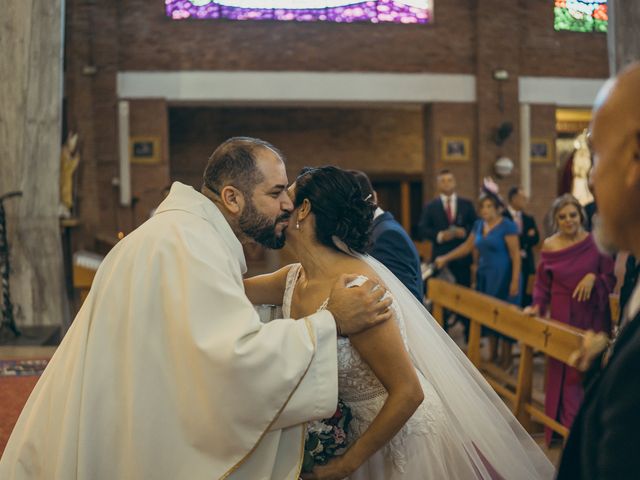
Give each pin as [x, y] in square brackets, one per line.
[318, 261]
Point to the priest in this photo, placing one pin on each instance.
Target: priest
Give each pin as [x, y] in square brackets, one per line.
[167, 372]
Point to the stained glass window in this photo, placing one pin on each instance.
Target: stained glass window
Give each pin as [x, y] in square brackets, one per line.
[581, 15]
[373, 11]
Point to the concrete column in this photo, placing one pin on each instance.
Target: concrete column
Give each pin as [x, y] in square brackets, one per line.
[31, 46]
[623, 36]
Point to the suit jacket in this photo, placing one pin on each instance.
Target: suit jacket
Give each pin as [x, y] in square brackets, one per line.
[603, 443]
[434, 220]
[529, 238]
[631, 273]
[392, 247]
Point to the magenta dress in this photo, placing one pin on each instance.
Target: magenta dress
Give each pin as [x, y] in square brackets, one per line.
[557, 276]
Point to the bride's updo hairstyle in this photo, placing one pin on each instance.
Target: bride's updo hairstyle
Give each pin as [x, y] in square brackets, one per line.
[338, 205]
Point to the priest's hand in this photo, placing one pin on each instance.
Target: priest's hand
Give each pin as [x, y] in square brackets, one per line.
[357, 308]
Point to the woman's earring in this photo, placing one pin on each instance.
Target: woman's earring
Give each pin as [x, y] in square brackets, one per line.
[297, 225]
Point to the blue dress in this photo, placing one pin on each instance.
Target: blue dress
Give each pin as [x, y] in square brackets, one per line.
[494, 263]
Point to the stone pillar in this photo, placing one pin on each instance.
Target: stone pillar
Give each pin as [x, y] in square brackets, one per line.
[623, 36]
[31, 38]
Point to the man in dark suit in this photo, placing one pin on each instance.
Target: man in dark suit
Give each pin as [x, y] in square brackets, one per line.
[446, 221]
[390, 244]
[528, 235]
[631, 274]
[604, 438]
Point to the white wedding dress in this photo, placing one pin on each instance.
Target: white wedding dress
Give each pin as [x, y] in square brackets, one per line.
[423, 448]
[461, 431]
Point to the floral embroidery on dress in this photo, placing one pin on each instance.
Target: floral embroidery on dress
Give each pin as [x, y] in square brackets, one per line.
[363, 393]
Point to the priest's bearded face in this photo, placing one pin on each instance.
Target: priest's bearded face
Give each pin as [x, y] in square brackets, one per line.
[267, 209]
[265, 230]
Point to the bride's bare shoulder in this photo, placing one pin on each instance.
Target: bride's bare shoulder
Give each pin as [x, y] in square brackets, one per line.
[356, 266]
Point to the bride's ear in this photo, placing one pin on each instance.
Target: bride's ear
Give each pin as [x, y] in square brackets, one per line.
[304, 210]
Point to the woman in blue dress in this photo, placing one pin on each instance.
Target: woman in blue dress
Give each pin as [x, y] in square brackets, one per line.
[495, 238]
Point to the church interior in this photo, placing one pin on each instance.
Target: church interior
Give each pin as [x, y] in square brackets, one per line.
[106, 104]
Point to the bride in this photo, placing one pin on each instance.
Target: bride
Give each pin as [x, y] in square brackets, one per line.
[420, 409]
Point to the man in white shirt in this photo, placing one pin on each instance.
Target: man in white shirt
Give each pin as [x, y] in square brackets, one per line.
[167, 371]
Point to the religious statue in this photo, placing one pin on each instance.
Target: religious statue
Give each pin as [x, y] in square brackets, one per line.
[69, 160]
[580, 169]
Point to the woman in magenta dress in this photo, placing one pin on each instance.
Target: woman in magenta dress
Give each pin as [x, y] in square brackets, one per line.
[573, 283]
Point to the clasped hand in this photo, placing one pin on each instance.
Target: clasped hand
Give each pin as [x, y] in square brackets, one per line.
[452, 233]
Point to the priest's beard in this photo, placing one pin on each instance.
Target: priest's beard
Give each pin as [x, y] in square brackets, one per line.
[602, 237]
[261, 228]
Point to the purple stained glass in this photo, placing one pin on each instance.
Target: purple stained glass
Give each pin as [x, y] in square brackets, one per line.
[378, 11]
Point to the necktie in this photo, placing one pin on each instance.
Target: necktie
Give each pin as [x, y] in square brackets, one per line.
[448, 210]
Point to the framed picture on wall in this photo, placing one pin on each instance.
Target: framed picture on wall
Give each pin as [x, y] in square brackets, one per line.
[455, 148]
[144, 150]
[541, 150]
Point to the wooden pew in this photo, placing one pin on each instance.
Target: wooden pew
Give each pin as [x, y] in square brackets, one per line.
[550, 337]
[85, 265]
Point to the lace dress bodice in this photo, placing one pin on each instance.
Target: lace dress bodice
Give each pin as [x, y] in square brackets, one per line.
[361, 390]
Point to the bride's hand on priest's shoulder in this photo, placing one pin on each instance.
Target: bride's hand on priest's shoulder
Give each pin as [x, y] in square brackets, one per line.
[357, 308]
[336, 469]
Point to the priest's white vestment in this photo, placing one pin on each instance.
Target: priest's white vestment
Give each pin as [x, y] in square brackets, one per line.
[167, 372]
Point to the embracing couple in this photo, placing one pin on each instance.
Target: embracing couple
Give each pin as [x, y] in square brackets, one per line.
[167, 372]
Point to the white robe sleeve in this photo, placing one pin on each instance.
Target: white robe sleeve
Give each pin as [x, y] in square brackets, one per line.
[249, 376]
[317, 394]
[168, 373]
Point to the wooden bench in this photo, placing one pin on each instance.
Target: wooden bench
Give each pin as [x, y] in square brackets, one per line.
[85, 266]
[550, 337]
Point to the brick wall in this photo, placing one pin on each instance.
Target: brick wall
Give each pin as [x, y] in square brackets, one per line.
[544, 176]
[148, 118]
[158, 43]
[545, 52]
[470, 37]
[448, 45]
[451, 120]
[370, 139]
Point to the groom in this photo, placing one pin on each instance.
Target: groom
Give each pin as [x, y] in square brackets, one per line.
[167, 371]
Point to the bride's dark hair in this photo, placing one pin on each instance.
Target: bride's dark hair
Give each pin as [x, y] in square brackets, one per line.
[338, 205]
